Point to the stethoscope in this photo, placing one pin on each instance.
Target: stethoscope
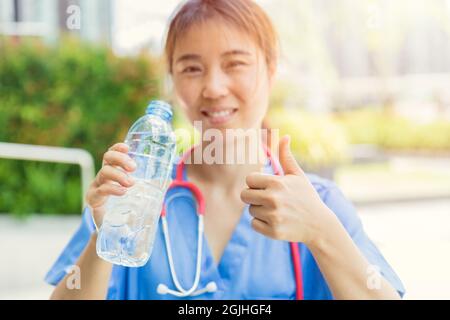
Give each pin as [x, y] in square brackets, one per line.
[211, 286]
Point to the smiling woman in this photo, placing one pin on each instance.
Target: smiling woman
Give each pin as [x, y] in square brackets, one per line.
[270, 230]
[215, 80]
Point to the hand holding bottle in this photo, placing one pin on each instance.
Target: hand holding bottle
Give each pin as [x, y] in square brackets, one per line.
[111, 179]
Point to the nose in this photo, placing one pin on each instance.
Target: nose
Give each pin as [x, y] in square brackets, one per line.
[216, 85]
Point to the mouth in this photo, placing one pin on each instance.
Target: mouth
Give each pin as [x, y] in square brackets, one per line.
[219, 116]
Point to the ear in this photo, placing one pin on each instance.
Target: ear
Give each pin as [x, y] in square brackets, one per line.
[167, 84]
[272, 72]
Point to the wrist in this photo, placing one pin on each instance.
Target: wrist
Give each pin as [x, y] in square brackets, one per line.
[93, 238]
[94, 222]
[324, 230]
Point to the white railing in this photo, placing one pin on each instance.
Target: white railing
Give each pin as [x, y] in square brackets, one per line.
[53, 154]
[24, 29]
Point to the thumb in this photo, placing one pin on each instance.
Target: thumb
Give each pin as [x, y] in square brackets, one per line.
[287, 160]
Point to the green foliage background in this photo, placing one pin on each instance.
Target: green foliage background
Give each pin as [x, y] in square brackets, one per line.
[72, 95]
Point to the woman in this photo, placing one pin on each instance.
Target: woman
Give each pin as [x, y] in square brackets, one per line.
[222, 58]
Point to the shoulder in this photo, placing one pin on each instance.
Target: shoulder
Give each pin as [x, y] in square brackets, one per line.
[323, 186]
[328, 190]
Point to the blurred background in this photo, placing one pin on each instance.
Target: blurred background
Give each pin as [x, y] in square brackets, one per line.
[363, 88]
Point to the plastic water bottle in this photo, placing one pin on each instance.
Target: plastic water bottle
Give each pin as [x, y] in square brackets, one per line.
[128, 229]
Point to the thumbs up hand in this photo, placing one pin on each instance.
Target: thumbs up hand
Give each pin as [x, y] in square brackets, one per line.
[285, 207]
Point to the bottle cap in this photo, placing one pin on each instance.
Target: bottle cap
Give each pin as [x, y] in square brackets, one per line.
[161, 108]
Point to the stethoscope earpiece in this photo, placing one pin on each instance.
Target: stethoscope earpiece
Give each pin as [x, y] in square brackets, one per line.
[162, 289]
[211, 287]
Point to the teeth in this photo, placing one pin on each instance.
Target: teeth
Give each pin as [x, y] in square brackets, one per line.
[220, 113]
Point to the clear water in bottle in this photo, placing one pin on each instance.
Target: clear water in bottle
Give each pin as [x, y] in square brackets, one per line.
[129, 226]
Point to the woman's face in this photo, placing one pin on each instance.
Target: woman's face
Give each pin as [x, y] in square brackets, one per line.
[221, 77]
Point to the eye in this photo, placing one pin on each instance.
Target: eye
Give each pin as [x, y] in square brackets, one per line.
[236, 64]
[191, 70]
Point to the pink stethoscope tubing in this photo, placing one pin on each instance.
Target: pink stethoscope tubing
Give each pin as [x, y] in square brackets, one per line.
[211, 287]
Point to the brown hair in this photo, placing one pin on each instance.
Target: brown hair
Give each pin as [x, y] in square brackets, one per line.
[244, 14]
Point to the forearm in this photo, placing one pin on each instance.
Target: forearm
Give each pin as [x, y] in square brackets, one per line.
[344, 267]
[94, 277]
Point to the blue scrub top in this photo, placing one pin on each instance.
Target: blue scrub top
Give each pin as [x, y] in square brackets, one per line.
[252, 266]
